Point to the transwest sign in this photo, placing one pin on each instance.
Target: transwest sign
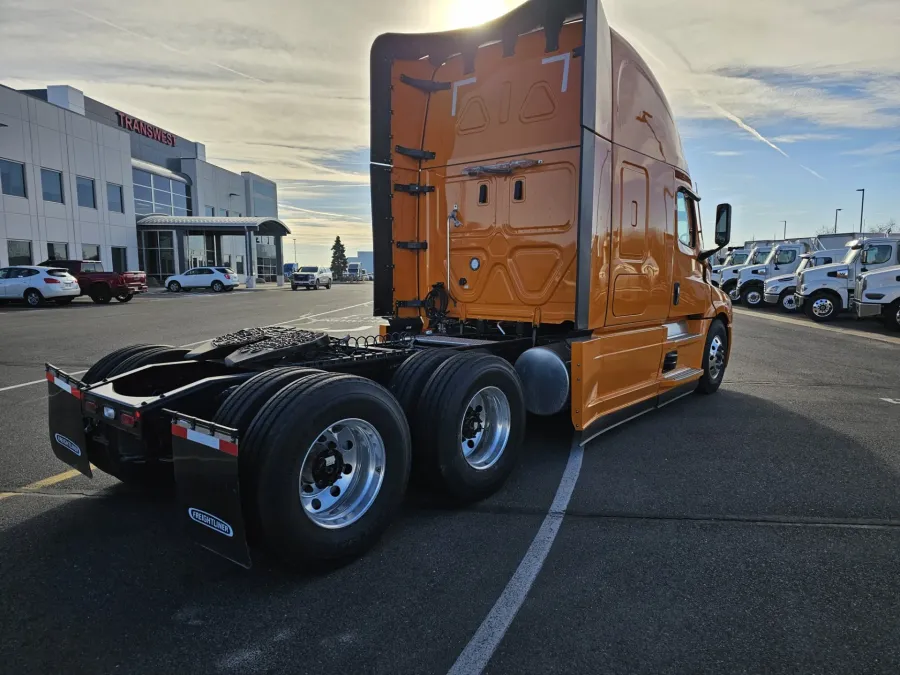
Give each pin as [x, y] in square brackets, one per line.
[140, 127]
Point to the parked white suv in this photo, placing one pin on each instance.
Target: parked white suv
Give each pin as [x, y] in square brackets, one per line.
[878, 294]
[780, 290]
[825, 291]
[35, 284]
[311, 278]
[217, 279]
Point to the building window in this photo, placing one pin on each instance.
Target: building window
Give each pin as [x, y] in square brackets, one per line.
[156, 254]
[57, 251]
[85, 189]
[12, 178]
[90, 252]
[210, 211]
[120, 259]
[239, 264]
[51, 185]
[115, 199]
[19, 252]
[265, 258]
[158, 194]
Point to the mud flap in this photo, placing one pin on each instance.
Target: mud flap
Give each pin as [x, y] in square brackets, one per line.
[207, 480]
[66, 420]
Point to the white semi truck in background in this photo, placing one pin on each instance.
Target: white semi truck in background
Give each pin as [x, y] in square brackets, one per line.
[780, 289]
[877, 294]
[823, 292]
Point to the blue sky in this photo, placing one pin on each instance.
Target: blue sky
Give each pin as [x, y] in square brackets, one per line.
[785, 108]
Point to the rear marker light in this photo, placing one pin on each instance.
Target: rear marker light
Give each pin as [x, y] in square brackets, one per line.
[109, 413]
[90, 406]
[126, 419]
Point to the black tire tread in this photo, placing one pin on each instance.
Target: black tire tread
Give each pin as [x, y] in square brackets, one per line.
[148, 357]
[238, 410]
[412, 375]
[704, 384]
[105, 365]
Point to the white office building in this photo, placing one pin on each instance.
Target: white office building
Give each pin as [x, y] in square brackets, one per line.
[79, 179]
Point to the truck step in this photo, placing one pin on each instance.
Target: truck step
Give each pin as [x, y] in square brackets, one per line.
[682, 374]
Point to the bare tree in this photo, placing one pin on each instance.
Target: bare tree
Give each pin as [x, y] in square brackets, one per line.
[888, 227]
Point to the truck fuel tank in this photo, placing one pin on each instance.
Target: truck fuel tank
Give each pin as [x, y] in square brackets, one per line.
[544, 372]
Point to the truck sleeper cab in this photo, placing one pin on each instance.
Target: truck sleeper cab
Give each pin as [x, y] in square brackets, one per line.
[780, 289]
[824, 292]
[878, 294]
[537, 248]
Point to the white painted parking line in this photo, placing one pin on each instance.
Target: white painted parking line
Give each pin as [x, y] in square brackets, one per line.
[305, 317]
[895, 401]
[818, 326]
[475, 657]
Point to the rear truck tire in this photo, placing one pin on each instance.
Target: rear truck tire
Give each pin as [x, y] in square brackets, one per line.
[33, 297]
[100, 370]
[730, 287]
[787, 302]
[412, 375]
[217, 286]
[752, 297]
[101, 294]
[715, 358]
[125, 297]
[174, 286]
[147, 357]
[64, 301]
[469, 426]
[822, 306]
[328, 459]
[892, 315]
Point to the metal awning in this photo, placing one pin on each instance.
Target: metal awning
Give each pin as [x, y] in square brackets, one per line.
[160, 171]
[267, 227]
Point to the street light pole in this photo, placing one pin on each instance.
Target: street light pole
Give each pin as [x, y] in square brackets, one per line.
[295, 250]
[836, 212]
[862, 209]
[785, 228]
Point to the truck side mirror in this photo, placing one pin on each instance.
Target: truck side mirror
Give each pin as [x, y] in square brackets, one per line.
[723, 225]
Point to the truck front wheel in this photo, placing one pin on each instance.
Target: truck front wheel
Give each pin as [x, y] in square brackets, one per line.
[730, 287]
[892, 315]
[822, 306]
[715, 358]
[469, 426]
[752, 296]
[331, 457]
[786, 301]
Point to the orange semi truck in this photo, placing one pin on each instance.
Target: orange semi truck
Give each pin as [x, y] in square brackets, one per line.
[537, 248]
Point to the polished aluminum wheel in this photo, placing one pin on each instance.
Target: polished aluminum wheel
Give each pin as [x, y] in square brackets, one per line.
[823, 308]
[789, 302]
[485, 428]
[716, 357]
[342, 473]
[754, 298]
[733, 293]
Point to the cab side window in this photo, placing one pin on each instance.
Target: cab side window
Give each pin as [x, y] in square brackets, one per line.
[877, 255]
[785, 257]
[4, 273]
[686, 220]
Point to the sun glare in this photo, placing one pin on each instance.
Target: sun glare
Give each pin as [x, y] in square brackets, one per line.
[464, 13]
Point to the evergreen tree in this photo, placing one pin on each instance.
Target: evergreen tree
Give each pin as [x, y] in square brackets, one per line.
[338, 259]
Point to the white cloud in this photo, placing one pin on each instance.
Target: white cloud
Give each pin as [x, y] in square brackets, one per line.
[877, 150]
[787, 139]
[726, 153]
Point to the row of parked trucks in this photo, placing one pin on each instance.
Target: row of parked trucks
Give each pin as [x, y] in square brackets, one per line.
[823, 276]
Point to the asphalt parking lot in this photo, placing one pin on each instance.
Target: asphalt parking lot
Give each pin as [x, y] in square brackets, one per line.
[753, 531]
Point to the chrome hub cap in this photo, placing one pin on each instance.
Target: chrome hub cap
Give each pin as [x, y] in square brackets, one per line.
[716, 357]
[342, 473]
[485, 428]
[788, 302]
[754, 297]
[823, 307]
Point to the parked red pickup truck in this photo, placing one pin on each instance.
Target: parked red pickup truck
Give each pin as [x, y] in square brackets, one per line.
[102, 286]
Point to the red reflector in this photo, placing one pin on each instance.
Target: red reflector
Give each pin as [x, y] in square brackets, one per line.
[49, 376]
[126, 419]
[228, 447]
[90, 406]
[77, 393]
[180, 431]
